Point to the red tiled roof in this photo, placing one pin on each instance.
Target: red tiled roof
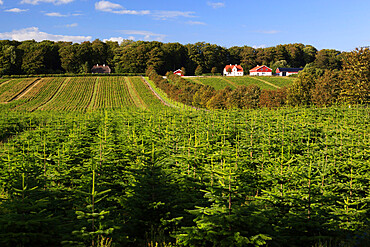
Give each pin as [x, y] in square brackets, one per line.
[238, 67]
[255, 69]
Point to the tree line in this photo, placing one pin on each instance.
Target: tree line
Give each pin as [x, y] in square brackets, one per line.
[49, 57]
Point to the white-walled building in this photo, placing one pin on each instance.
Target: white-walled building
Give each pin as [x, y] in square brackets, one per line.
[262, 70]
[287, 71]
[178, 72]
[236, 70]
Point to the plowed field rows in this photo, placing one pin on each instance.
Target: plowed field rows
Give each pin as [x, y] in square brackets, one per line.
[78, 94]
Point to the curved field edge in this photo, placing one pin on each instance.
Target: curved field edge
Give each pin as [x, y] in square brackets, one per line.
[163, 96]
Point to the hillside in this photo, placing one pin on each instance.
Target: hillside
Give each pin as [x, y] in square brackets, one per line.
[78, 94]
[220, 82]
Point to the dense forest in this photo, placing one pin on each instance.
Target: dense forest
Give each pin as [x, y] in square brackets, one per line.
[48, 57]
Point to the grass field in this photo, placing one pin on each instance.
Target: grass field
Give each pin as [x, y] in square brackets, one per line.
[220, 82]
[279, 81]
[217, 82]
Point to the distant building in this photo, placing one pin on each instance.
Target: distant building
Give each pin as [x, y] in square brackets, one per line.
[235, 70]
[287, 71]
[262, 70]
[178, 72]
[100, 69]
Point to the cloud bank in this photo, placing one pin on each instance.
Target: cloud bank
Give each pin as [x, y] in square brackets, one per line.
[55, 14]
[216, 5]
[115, 8]
[56, 2]
[147, 35]
[34, 33]
[16, 10]
[106, 6]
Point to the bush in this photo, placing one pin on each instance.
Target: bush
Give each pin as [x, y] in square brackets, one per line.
[327, 89]
[273, 98]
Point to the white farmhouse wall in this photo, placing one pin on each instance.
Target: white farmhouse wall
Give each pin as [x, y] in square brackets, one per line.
[261, 73]
[288, 73]
[234, 72]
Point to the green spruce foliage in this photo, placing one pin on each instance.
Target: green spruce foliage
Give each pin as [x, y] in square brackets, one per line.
[284, 177]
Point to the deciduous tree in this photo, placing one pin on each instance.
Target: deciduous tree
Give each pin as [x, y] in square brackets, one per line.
[356, 77]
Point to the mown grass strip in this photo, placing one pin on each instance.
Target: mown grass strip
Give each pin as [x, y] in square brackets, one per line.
[93, 96]
[268, 83]
[25, 90]
[13, 88]
[138, 101]
[234, 85]
[281, 81]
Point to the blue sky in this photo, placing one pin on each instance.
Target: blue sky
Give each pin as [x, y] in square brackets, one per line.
[325, 24]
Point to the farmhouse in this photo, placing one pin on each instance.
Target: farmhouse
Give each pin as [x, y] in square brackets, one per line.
[234, 70]
[262, 70]
[101, 69]
[178, 72]
[287, 71]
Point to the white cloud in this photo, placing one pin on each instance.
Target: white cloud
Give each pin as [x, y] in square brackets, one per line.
[107, 6]
[164, 15]
[119, 39]
[36, 34]
[1, 2]
[259, 46]
[56, 14]
[56, 2]
[16, 10]
[115, 8]
[196, 23]
[268, 31]
[216, 5]
[115, 39]
[147, 35]
[132, 12]
[71, 25]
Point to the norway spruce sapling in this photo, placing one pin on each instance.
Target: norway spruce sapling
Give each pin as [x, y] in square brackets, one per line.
[92, 217]
[24, 216]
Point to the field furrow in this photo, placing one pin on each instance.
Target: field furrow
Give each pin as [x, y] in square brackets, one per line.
[13, 88]
[74, 96]
[134, 94]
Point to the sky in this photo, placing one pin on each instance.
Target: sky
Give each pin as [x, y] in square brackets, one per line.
[326, 24]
